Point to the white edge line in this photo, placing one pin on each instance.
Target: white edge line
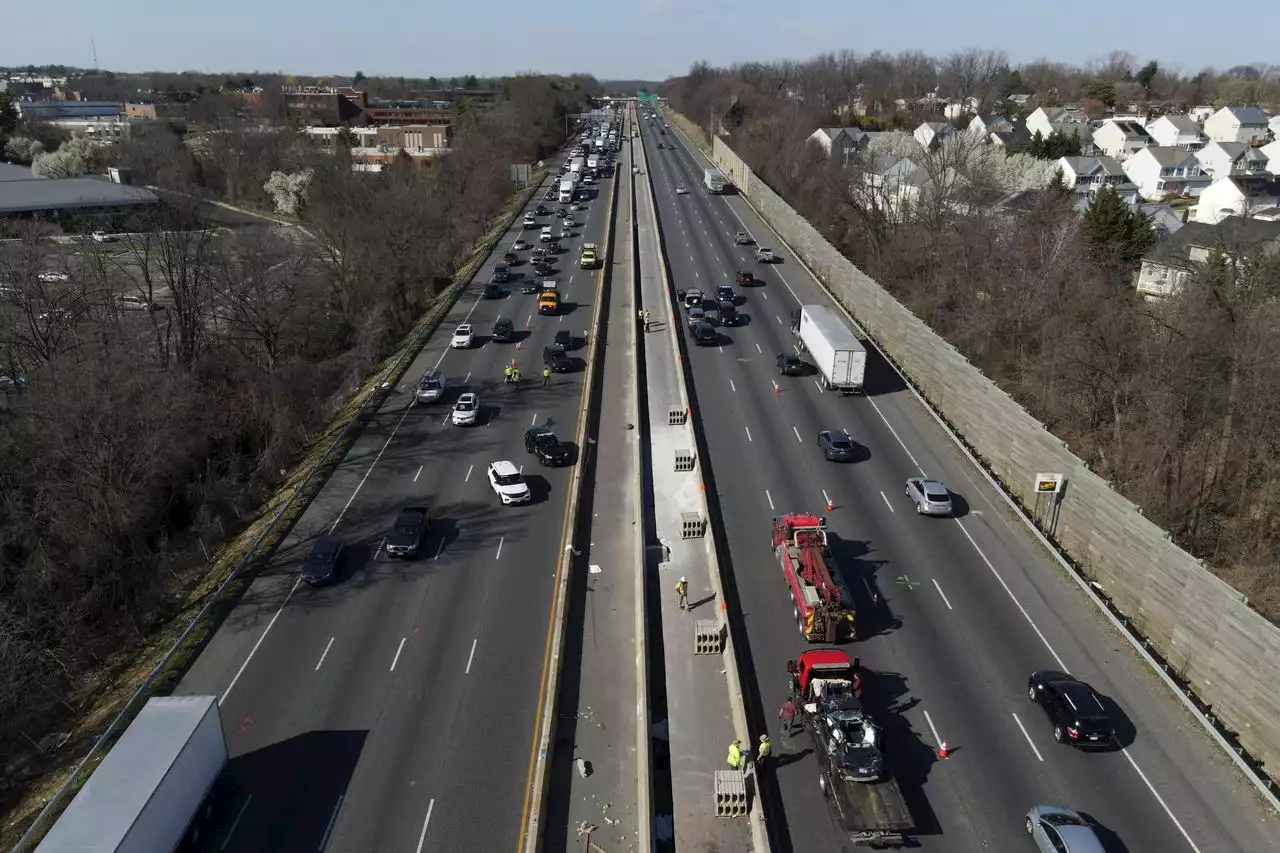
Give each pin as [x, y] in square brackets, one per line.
[769, 498]
[938, 587]
[422, 837]
[333, 818]
[400, 648]
[467, 478]
[886, 501]
[471, 656]
[748, 429]
[254, 650]
[419, 474]
[372, 465]
[502, 539]
[797, 432]
[325, 653]
[1030, 742]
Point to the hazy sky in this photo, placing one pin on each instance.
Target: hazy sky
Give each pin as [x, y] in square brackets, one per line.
[612, 39]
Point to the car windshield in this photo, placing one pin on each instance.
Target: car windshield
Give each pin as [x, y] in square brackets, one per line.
[1060, 819]
[430, 383]
[507, 479]
[465, 405]
[324, 551]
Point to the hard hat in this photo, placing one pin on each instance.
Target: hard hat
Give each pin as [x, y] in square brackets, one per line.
[683, 579]
[763, 738]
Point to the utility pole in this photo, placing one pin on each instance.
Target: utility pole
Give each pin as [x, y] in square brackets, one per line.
[94, 45]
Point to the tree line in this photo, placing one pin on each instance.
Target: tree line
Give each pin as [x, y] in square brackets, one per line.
[137, 440]
[1174, 402]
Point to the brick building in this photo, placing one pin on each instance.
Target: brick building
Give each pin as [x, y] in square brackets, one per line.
[324, 105]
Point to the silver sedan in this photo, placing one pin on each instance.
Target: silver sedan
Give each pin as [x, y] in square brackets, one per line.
[1056, 829]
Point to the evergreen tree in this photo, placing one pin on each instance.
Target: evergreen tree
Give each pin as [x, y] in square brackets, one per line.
[1115, 232]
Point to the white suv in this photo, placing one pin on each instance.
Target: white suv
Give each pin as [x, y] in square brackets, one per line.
[508, 483]
[466, 410]
[463, 337]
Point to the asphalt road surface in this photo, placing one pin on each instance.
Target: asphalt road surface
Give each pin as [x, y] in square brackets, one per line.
[395, 709]
[968, 607]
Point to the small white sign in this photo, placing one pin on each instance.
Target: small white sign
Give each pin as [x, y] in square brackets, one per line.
[1049, 484]
[594, 569]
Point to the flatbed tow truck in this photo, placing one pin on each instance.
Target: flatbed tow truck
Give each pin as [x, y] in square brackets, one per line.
[865, 803]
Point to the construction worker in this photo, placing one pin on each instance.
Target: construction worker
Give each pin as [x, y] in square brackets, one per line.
[787, 713]
[764, 751]
[515, 376]
[682, 593]
[546, 375]
[647, 321]
[506, 373]
[735, 755]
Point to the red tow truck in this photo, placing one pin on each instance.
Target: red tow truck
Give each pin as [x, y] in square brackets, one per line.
[867, 805]
[824, 609]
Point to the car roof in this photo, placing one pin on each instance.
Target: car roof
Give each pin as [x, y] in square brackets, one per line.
[539, 431]
[1080, 839]
[504, 468]
[463, 327]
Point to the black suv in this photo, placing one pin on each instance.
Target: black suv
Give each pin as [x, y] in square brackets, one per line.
[556, 359]
[405, 538]
[321, 566]
[564, 339]
[704, 334]
[1077, 714]
[540, 210]
[790, 365]
[542, 442]
[503, 331]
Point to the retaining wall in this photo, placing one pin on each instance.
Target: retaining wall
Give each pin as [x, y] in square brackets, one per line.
[1212, 641]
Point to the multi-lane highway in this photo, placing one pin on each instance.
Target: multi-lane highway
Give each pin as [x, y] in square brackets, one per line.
[395, 710]
[968, 607]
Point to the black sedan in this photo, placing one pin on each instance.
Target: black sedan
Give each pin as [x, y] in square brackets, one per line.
[544, 444]
[1073, 708]
[791, 365]
[836, 446]
[321, 566]
[557, 360]
[493, 290]
[564, 339]
[529, 285]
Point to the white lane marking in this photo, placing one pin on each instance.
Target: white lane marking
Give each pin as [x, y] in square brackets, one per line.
[254, 650]
[1013, 598]
[766, 296]
[471, 656]
[470, 468]
[501, 539]
[818, 385]
[1160, 800]
[439, 550]
[1030, 742]
[939, 589]
[422, 837]
[721, 348]
[418, 474]
[774, 383]
[399, 649]
[235, 823]
[372, 465]
[748, 429]
[826, 498]
[698, 274]
[769, 498]
[328, 830]
[797, 432]
[325, 653]
[779, 319]
[759, 350]
[932, 728]
[446, 418]
[886, 501]
[466, 378]
[895, 435]
[528, 320]
[733, 387]
[534, 422]
[522, 469]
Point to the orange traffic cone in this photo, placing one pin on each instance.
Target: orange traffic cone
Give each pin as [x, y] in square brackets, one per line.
[830, 506]
[776, 389]
[943, 752]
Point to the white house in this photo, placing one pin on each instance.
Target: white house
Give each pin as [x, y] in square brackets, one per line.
[1164, 171]
[984, 126]
[1200, 113]
[1121, 139]
[1221, 159]
[1179, 131]
[1045, 120]
[1168, 267]
[955, 109]
[1238, 195]
[1237, 124]
[1274, 124]
[1272, 152]
[1087, 175]
[930, 133]
[838, 140]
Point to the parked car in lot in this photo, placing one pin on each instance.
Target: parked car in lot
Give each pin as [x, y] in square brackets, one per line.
[466, 410]
[430, 387]
[929, 496]
[463, 337]
[131, 302]
[836, 446]
[508, 483]
[103, 237]
[1073, 708]
[543, 443]
[321, 566]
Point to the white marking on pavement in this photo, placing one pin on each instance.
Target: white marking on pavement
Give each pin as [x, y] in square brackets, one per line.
[446, 418]
[501, 539]
[466, 378]
[372, 465]
[419, 473]
[325, 653]
[779, 319]
[439, 550]
[826, 498]
[427, 822]
[235, 823]
[733, 387]
[941, 593]
[399, 649]
[769, 498]
[324, 842]
[774, 383]
[254, 650]
[471, 656]
[698, 274]
[759, 350]
[1030, 742]
[766, 296]
[932, 728]
[1160, 800]
[721, 348]
[534, 422]
[797, 432]
[528, 320]
[886, 501]
[467, 479]
[748, 429]
[895, 435]
[818, 385]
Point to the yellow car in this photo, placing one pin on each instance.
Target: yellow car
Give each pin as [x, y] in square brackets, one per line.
[588, 258]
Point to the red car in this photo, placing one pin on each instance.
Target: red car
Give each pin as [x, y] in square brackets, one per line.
[511, 259]
[745, 278]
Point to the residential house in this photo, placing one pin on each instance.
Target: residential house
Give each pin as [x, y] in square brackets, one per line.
[889, 183]
[1121, 139]
[1274, 124]
[1220, 159]
[1167, 268]
[840, 141]
[1272, 152]
[1087, 175]
[1045, 120]
[931, 133]
[1017, 138]
[1250, 196]
[986, 125]
[956, 109]
[1162, 172]
[1199, 114]
[1164, 219]
[1019, 99]
[1176, 131]
[1237, 124]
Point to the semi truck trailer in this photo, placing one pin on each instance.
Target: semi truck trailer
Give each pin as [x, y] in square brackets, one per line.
[566, 191]
[148, 794]
[839, 356]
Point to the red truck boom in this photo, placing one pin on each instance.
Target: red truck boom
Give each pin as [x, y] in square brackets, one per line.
[823, 609]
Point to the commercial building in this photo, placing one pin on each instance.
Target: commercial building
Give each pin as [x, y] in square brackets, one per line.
[323, 105]
[331, 106]
[23, 194]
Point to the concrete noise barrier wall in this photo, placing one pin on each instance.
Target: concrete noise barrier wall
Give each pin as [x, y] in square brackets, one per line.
[1210, 639]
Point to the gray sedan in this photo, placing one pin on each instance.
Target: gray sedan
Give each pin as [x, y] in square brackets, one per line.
[1056, 829]
[929, 496]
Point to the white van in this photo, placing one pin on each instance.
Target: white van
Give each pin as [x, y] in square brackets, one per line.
[545, 236]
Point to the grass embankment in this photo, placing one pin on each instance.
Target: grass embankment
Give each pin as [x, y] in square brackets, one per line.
[105, 691]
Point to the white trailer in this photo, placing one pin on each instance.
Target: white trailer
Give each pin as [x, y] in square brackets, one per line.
[713, 180]
[146, 793]
[566, 191]
[838, 355]
[576, 164]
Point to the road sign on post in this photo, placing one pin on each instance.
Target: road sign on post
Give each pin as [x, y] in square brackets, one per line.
[1049, 484]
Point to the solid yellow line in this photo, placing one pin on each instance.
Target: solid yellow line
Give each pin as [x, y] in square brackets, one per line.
[560, 563]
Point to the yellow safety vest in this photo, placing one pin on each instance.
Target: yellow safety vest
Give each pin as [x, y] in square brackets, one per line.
[735, 756]
[766, 747]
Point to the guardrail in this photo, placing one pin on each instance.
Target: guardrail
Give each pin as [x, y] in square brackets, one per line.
[289, 512]
[540, 759]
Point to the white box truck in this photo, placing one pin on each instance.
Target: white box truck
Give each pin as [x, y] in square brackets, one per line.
[145, 795]
[566, 191]
[575, 165]
[713, 180]
[838, 355]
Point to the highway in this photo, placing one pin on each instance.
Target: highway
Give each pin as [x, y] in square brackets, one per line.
[395, 710]
[968, 607]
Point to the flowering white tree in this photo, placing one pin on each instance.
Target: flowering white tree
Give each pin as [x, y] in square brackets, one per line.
[289, 190]
[23, 148]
